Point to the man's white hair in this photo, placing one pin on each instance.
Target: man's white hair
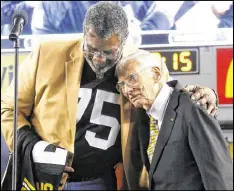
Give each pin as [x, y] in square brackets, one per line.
[145, 59]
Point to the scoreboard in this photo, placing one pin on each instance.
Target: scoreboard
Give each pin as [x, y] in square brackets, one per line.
[179, 61]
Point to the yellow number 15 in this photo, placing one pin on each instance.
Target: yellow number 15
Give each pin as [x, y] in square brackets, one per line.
[182, 58]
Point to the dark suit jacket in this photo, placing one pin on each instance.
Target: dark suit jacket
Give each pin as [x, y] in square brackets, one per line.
[190, 152]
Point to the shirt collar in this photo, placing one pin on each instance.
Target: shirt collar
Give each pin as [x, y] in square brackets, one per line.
[160, 103]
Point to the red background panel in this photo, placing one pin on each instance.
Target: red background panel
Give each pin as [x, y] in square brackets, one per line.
[224, 57]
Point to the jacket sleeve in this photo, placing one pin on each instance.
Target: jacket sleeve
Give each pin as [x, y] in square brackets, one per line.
[26, 92]
[210, 150]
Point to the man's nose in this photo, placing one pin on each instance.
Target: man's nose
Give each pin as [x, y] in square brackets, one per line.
[99, 58]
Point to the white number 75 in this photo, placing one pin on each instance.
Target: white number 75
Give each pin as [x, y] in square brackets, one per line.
[98, 118]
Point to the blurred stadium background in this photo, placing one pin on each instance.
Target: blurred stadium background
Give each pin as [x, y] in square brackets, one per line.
[194, 37]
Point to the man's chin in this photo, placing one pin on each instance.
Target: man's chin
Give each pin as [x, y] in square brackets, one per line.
[100, 66]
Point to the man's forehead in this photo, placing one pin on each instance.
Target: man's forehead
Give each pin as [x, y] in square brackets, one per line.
[131, 66]
[97, 42]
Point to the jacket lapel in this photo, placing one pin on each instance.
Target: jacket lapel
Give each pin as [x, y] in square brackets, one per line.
[143, 126]
[166, 129]
[163, 137]
[125, 122]
[137, 179]
[73, 72]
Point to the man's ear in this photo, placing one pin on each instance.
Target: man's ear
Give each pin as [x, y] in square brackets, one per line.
[157, 74]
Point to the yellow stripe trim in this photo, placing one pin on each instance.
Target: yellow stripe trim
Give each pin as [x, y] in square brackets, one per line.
[29, 184]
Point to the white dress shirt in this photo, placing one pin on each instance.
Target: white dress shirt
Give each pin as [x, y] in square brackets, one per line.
[159, 105]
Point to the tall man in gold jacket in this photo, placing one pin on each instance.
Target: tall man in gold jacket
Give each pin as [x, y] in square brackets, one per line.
[65, 89]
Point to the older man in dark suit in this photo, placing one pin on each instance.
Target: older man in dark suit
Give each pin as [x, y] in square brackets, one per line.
[180, 144]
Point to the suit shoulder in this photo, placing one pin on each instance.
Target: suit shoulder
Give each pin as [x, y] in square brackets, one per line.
[56, 52]
[57, 44]
[54, 48]
[185, 105]
[185, 101]
[190, 108]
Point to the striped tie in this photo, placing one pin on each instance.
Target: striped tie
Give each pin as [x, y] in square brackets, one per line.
[154, 131]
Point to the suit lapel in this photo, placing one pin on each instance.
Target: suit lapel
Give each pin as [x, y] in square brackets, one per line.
[126, 137]
[126, 123]
[143, 126]
[137, 178]
[73, 73]
[165, 131]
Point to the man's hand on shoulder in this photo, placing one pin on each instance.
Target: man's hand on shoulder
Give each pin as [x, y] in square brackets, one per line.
[204, 96]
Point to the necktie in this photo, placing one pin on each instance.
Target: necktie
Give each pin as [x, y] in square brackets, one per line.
[154, 131]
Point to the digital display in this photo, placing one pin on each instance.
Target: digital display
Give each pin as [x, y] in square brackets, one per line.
[179, 61]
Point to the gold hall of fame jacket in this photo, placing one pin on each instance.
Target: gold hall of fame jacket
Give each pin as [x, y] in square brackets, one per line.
[49, 82]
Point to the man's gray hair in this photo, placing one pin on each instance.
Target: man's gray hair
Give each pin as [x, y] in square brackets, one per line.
[107, 18]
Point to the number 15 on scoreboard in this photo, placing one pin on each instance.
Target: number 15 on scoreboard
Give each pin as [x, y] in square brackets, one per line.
[179, 61]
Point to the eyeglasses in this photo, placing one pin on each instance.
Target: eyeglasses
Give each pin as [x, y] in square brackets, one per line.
[131, 81]
[110, 54]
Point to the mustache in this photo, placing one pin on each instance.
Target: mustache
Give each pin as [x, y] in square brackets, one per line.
[101, 65]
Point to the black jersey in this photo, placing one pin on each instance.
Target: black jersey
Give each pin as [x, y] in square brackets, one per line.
[97, 141]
